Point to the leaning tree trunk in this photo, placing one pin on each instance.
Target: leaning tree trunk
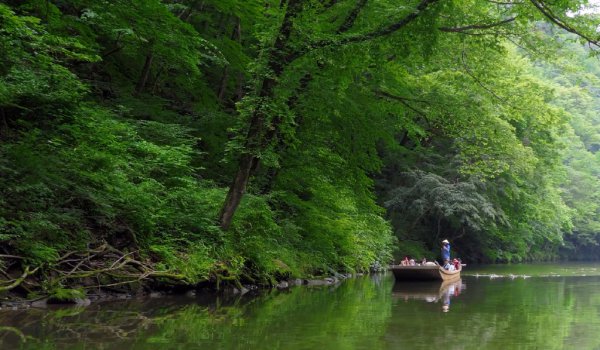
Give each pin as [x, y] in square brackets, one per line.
[236, 190]
[256, 137]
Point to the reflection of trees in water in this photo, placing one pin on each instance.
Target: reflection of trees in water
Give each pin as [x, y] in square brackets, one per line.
[117, 321]
[353, 308]
[378, 278]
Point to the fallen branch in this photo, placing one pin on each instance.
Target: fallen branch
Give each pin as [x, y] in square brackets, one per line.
[19, 280]
[8, 256]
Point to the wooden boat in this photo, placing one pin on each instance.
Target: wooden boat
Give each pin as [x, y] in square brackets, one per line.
[424, 273]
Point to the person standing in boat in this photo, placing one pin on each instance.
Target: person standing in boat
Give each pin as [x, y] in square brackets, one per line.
[445, 250]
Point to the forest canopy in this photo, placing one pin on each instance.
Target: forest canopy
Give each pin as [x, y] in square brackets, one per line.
[186, 141]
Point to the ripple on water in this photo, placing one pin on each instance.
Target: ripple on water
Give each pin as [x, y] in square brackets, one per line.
[550, 270]
[493, 276]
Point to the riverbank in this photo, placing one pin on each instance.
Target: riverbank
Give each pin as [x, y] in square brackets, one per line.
[76, 297]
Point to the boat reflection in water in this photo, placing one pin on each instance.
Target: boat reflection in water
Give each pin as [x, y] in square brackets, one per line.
[431, 292]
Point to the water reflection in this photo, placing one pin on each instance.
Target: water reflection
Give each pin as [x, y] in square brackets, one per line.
[364, 313]
[429, 291]
[351, 315]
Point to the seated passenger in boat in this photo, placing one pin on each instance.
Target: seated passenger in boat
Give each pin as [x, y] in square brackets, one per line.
[456, 263]
[412, 262]
[424, 262]
[404, 262]
[448, 266]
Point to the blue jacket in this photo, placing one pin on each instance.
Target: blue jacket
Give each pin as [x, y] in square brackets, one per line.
[446, 252]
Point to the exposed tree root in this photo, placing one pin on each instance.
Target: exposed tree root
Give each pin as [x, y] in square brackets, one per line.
[18, 281]
[105, 266]
[102, 266]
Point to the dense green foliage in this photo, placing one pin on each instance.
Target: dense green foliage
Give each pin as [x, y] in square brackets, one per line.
[124, 122]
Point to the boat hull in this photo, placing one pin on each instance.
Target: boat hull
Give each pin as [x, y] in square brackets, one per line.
[424, 273]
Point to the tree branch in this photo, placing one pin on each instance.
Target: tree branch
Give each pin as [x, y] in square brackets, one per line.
[483, 86]
[328, 4]
[396, 97]
[403, 101]
[7, 256]
[349, 22]
[547, 12]
[115, 49]
[385, 30]
[476, 26]
[358, 38]
[506, 2]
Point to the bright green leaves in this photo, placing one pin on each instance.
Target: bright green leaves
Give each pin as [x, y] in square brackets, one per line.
[574, 78]
[125, 121]
[31, 76]
[146, 40]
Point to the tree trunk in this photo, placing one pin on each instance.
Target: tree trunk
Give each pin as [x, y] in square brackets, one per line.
[223, 85]
[235, 35]
[156, 78]
[145, 73]
[4, 123]
[239, 91]
[256, 138]
[236, 190]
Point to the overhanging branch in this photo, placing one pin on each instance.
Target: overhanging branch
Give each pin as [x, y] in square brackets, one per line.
[476, 26]
[423, 5]
[404, 101]
[358, 38]
[547, 12]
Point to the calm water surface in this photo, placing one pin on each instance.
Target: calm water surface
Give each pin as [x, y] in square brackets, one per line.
[492, 307]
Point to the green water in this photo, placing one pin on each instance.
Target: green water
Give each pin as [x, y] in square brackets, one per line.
[492, 307]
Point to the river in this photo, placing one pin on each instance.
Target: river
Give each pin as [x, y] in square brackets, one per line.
[544, 306]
